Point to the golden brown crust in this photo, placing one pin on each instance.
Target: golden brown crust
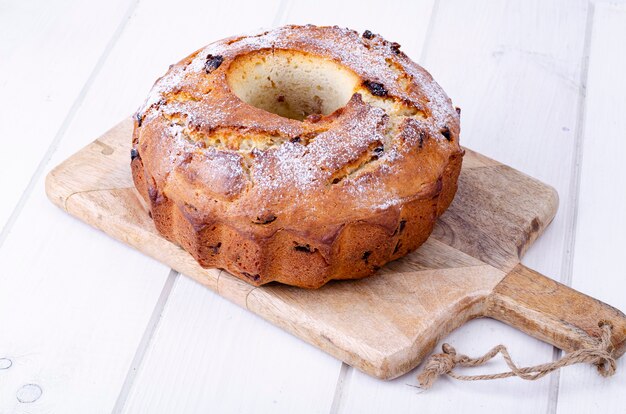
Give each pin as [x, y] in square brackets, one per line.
[332, 197]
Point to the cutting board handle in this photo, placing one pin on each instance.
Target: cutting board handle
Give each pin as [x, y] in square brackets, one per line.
[553, 312]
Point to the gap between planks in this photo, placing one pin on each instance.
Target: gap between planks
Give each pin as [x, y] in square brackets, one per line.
[280, 19]
[346, 369]
[145, 341]
[574, 194]
[342, 382]
[429, 32]
[6, 229]
[282, 12]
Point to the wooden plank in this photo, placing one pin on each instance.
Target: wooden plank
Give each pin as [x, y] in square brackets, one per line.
[415, 301]
[209, 354]
[514, 69]
[382, 325]
[143, 55]
[102, 121]
[43, 69]
[601, 225]
[73, 307]
[66, 329]
[393, 26]
[75, 321]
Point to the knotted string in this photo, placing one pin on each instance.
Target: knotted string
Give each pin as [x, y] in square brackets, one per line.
[444, 364]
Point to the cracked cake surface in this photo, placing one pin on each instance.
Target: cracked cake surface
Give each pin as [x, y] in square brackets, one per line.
[298, 155]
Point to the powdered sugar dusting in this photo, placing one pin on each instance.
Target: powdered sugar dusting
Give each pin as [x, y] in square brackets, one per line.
[308, 167]
[304, 173]
[375, 60]
[167, 83]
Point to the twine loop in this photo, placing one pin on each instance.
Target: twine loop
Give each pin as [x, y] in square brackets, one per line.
[444, 363]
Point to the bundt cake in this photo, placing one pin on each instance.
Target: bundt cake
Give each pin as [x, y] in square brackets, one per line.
[298, 155]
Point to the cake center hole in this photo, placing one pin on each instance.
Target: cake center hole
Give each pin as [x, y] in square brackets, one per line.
[291, 84]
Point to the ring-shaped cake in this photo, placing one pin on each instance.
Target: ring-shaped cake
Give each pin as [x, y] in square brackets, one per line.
[298, 155]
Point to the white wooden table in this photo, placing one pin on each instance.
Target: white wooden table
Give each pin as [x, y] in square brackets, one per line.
[88, 325]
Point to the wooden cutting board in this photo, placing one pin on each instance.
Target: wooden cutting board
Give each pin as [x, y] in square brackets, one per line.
[386, 324]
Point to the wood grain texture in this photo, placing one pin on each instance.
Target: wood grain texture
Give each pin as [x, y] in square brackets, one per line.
[553, 312]
[383, 325]
[74, 304]
[151, 41]
[514, 68]
[601, 224]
